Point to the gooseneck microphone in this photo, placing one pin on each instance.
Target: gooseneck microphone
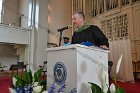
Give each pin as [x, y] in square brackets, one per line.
[64, 28]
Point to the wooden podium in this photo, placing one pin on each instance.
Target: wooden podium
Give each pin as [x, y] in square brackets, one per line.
[75, 66]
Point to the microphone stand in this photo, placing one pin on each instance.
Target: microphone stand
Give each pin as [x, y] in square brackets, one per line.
[60, 38]
[61, 30]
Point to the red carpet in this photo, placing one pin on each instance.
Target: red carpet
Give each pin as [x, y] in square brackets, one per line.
[5, 83]
[130, 87]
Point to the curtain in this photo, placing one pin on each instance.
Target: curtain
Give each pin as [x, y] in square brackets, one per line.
[118, 47]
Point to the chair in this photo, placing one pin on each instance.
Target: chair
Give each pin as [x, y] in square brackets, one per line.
[17, 67]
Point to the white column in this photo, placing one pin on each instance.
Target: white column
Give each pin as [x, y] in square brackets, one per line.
[42, 32]
[33, 38]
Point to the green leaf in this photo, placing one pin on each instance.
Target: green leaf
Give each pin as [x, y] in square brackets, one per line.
[30, 76]
[19, 82]
[43, 83]
[108, 91]
[120, 90]
[37, 75]
[95, 88]
[27, 77]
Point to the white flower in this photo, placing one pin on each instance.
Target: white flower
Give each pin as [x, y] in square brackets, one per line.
[89, 91]
[112, 88]
[37, 89]
[35, 84]
[118, 64]
[14, 80]
[11, 90]
[45, 92]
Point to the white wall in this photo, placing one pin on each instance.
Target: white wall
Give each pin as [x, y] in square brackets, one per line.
[24, 10]
[11, 12]
[60, 12]
[11, 34]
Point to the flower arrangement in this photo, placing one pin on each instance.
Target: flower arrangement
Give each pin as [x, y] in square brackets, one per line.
[114, 88]
[52, 88]
[28, 83]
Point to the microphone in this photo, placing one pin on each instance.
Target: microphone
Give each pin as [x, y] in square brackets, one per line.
[64, 28]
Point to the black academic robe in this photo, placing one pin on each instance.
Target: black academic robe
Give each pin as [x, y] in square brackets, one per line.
[91, 34]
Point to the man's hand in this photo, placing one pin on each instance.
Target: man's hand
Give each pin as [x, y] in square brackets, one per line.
[104, 47]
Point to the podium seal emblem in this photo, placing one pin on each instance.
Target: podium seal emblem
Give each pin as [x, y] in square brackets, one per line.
[60, 73]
